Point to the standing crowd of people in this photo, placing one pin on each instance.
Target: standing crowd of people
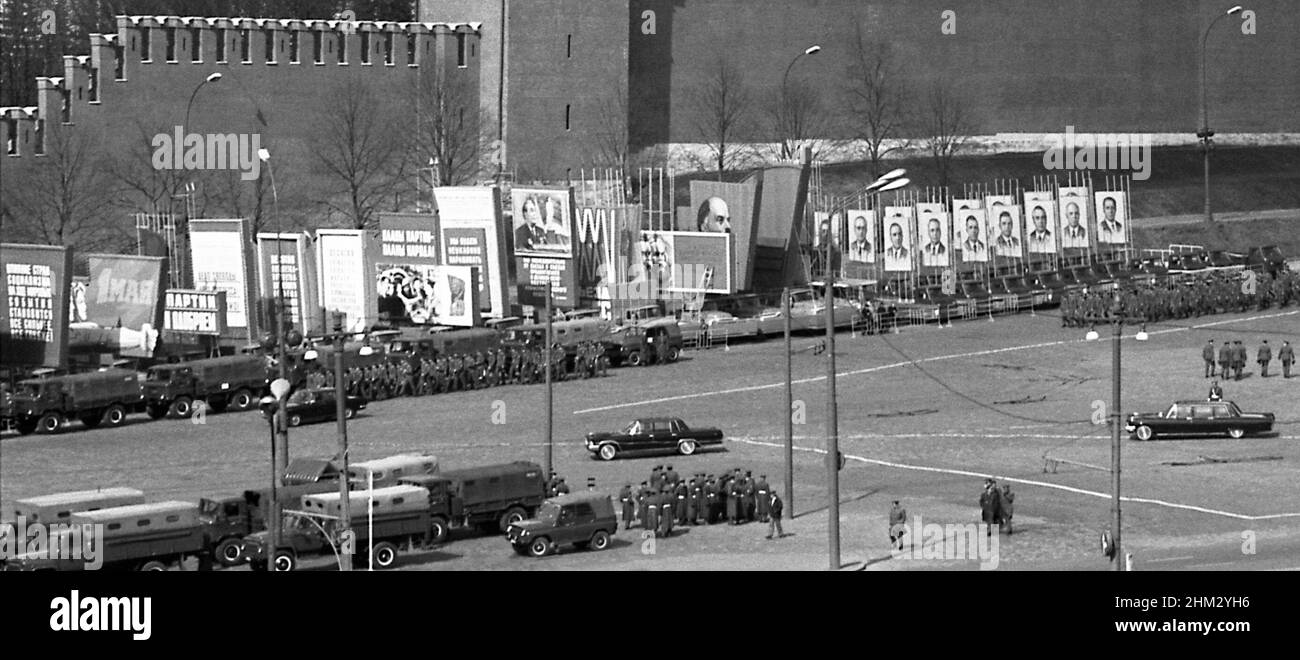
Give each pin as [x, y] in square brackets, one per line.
[666, 499]
[1164, 299]
[1232, 355]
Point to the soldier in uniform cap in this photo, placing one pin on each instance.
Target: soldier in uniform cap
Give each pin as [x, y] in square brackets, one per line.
[1207, 354]
[629, 510]
[733, 501]
[695, 499]
[1239, 358]
[1263, 356]
[710, 490]
[747, 491]
[656, 476]
[670, 475]
[1216, 392]
[897, 521]
[1225, 360]
[681, 492]
[643, 502]
[666, 510]
[1286, 355]
[652, 511]
[762, 490]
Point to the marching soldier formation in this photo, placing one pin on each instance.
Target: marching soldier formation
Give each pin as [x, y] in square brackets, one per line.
[422, 376]
[666, 499]
[1157, 301]
[1232, 359]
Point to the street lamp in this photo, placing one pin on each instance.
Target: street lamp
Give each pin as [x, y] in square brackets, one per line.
[212, 77]
[272, 511]
[1205, 134]
[340, 410]
[278, 272]
[785, 94]
[891, 180]
[1117, 319]
[550, 359]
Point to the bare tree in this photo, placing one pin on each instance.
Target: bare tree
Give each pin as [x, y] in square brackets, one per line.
[450, 126]
[876, 95]
[799, 118]
[721, 108]
[139, 186]
[608, 140]
[945, 126]
[57, 198]
[357, 148]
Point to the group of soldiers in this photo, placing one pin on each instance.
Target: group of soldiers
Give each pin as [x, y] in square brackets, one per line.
[1162, 300]
[666, 499]
[1232, 359]
[997, 506]
[412, 376]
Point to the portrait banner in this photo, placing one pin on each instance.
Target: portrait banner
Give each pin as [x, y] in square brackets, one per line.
[971, 233]
[77, 312]
[1075, 227]
[935, 231]
[899, 224]
[1040, 208]
[543, 222]
[862, 236]
[1005, 221]
[1112, 218]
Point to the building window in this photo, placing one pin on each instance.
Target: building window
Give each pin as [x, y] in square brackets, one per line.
[388, 48]
[171, 44]
[293, 46]
[568, 47]
[144, 45]
[196, 53]
[365, 48]
[410, 50]
[270, 46]
[245, 46]
[40, 137]
[119, 62]
[11, 145]
[65, 112]
[343, 48]
[93, 83]
[221, 45]
[318, 49]
[460, 49]
[568, 112]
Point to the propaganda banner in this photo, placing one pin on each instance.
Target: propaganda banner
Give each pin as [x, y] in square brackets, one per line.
[543, 222]
[971, 234]
[1112, 218]
[286, 268]
[535, 272]
[219, 255]
[77, 312]
[1042, 227]
[190, 311]
[1075, 226]
[427, 294]
[899, 221]
[684, 262]
[126, 292]
[935, 229]
[473, 235]
[1004, 219]
[344, 281]
[34, 305]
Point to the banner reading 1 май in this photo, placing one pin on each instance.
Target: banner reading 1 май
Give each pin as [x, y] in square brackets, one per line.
[34, 304]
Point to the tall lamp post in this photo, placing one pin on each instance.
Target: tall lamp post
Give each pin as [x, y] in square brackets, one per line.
[891, 180]
[344, 527]
[1117, 319]
[1205, 134]
[282, 438]
[550, 437]
[785, 92]
[212, 77]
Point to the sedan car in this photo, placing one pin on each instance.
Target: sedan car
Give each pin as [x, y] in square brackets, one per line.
[652, 433]
[1186, 418]
[315, 405]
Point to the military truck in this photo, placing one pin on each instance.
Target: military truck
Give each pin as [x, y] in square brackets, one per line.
[650, 342]
[47, 405]
[142, 537]
[59, 507]
[400, 519]
[233, 381]
[489, 497]
[228, 519]
[581, 519]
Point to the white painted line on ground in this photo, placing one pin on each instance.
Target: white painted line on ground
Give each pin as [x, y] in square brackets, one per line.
[1164, 559]
[1031, 482]
[894, 365]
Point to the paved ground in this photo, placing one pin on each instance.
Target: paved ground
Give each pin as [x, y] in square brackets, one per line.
[924, 414]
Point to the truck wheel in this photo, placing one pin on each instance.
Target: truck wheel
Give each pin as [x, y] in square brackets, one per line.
[385, 554]
[230, 552]
[600, 540]
[608, 452]
[242, 400]
[539, 547]
[686, 447]
[349, 413]
[182, 407]
[635, 358]
[115, 415]
[438, 530]
[49, 423]
[153, 565]
[295, 420]
[674, 353]
[513, 515]
[156, 412]
[1236, 434]
[285, 561]
[1144, 432]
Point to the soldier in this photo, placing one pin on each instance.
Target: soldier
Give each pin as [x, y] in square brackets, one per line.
[681, 492]
[990, 505]
[1008, 508]
[643, 502]
[897, 525]
[1263, 356]
[1216, 392]
[1207, 354]
[693, 492]
[670, 475]
[625, 498]
[652, 511]
[1225, 359]
[747, 492]
[1239, 358]
[561, 488]
[733, 502]
[666, 510]
[656, 475]
[1286, 356]
[710, 491]
[774, 528]
[762, 490]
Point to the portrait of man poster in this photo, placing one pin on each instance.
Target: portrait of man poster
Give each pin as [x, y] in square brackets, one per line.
[1073, 203]
[862, 236]
[973, 246]
[1112, 224]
